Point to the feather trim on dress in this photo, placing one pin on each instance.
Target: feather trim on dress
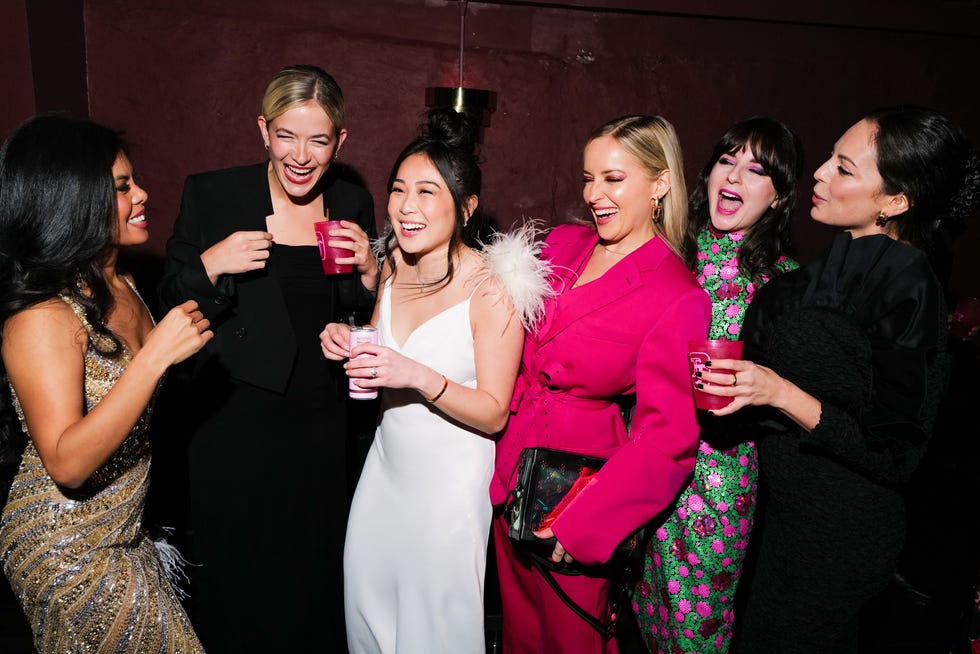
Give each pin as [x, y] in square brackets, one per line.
[513, 259]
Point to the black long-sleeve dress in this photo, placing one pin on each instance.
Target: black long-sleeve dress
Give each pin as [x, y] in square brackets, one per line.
[863, 329]
[266, 459]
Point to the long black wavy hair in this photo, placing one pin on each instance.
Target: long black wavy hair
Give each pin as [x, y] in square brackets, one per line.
[780, 153]
[449, 138]
[57, 227]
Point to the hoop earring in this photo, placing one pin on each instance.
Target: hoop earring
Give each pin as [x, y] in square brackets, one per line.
[882, 219]
[658, 211]
[266, 146]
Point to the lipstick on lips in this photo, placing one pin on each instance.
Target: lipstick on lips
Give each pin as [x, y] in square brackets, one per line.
[297, 174]
[604, 215]
[729, 202]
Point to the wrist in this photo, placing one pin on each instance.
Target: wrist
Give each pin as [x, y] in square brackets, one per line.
[434, 397]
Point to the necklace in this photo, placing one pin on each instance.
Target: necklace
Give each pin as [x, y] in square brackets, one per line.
[612, 251]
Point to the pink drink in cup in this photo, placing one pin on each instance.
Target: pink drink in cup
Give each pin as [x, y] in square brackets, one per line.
[359, 335]
[329, 255]
[699, 353]
[965, 317]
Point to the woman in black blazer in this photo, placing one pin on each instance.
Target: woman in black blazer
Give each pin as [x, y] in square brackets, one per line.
[267, 478]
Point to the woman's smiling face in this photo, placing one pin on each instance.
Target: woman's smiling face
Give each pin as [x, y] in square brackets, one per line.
[740, 191]
[302, 144]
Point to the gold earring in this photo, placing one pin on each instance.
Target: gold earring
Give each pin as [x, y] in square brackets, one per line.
[658, 211]
[881, 220]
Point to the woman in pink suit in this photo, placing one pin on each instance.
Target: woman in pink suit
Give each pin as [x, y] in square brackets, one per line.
[624, 309]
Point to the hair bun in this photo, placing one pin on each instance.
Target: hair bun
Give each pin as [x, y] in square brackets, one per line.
[966, 200]
[458, 130]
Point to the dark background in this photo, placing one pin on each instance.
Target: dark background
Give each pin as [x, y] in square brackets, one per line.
[184, 79]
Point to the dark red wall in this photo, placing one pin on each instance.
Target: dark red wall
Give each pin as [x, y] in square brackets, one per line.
[184, 80]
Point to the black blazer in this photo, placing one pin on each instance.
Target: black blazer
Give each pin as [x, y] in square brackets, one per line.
[253, 339]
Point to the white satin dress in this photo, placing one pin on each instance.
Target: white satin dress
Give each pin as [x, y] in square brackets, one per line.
[415, 555]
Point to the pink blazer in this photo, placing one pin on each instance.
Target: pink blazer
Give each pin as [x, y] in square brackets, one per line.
[623, 333]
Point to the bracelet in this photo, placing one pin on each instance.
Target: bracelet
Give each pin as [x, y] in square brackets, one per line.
[445, 385]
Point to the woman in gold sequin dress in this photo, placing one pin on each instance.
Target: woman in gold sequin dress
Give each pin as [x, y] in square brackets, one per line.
[83, 359]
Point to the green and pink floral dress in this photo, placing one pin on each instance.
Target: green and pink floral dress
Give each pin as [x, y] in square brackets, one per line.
[684, 602]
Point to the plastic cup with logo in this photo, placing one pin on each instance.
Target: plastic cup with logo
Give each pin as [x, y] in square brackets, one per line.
[699, 353]
[329, 255]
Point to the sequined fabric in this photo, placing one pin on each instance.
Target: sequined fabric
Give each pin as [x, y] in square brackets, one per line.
[685, 602]
[86, 573]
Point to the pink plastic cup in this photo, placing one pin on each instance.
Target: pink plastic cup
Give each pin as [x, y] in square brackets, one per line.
[329, 255]
[965, 317]
[699, 353]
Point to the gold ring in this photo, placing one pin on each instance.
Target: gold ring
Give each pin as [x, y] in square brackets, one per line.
[734, 379]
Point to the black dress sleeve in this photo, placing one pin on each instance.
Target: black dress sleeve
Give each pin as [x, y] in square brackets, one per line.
[867, 341]
[184, 276]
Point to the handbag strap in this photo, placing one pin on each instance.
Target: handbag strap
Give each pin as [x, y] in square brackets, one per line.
[606, 630]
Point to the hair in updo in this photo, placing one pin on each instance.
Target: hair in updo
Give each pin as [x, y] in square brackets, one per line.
[448, 139]
[926, 156]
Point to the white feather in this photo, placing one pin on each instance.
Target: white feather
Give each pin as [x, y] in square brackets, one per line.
[173, 564]
[513, 258]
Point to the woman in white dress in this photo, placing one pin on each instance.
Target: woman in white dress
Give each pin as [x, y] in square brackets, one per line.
[450, 346]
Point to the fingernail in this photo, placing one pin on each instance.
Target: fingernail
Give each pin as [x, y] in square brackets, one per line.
[707, 364]
[699, 386]
[698, 374]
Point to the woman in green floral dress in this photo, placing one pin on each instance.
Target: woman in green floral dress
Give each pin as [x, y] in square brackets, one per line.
[738, 233]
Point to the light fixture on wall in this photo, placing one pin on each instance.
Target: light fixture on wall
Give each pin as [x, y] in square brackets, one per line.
[478, 102]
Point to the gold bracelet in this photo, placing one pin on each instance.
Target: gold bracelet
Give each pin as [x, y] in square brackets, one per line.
[445, 385]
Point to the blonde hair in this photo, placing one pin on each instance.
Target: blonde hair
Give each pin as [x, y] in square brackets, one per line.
[653, 141]
[295, 85]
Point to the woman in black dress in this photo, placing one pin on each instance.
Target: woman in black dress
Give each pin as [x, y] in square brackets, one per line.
[268, 488]
[851, 351]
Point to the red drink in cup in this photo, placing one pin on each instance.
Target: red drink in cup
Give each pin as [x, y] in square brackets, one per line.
[359, 335]
[329, 255]
[699, 353]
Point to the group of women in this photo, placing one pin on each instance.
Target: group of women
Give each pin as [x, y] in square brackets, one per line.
[485, 348]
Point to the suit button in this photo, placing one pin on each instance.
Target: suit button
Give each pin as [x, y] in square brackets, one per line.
[219, 300]
[241, 332]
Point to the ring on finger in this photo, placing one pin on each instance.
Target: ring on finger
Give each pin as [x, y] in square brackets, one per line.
[734, 379]
[374, 372]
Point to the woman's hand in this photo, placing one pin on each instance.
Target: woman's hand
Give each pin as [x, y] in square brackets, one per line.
[181, 333]
[559, 554]
[748, 383]
[752, 384]
[363, 258]
[240, 252]
[334, 341]
[382, 367]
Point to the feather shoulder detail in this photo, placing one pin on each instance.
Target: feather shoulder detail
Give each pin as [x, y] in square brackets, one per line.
[513, 259]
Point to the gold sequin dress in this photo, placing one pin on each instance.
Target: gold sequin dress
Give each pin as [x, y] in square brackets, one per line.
[86, 573]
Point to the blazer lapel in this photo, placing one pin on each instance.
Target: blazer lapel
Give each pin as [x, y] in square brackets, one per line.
[618, 281]
[254, 201]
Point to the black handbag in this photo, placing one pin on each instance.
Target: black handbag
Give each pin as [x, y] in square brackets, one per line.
[547, 481]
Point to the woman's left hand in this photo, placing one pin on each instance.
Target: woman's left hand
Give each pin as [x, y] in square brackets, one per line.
[559, 554]
[747, 384]
[382, 367]
[363, 259]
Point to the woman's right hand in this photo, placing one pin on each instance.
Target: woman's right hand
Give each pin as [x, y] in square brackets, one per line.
[335, 341]
[181, 333]
[240, 252]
